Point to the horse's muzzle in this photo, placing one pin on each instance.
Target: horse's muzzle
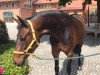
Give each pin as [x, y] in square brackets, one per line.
[19, 61]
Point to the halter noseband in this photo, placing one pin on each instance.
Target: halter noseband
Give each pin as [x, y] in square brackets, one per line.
[30, 45]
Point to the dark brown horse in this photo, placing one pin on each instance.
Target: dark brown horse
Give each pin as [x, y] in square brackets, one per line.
[66, 35]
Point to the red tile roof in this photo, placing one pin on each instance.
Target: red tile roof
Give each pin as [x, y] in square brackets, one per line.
[46, 1]
[16, 0]
[75, 5]
[8, 0]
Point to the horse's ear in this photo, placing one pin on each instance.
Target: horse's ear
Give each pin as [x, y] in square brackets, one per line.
[20, 19]
[23, 22]
[15, 19]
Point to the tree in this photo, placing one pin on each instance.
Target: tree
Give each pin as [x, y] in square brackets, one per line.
[3, 33]
[63, 3]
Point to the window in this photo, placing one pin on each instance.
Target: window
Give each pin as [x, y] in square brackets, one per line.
[8, 16]
[0, 5]
[49, 0]
[43, 6]
[6, 5]
[12, 4]
[93, 11]
[67, 13]
[28, 4]
[75, 12]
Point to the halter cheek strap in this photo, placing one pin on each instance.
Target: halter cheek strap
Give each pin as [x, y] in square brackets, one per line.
[32, 42]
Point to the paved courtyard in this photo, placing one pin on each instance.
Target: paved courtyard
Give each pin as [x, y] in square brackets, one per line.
[91, 65]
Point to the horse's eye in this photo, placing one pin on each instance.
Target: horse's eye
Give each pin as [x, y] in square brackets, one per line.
[28, 33]
[22, 39]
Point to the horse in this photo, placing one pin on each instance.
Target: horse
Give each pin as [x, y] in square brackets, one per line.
[66, 34]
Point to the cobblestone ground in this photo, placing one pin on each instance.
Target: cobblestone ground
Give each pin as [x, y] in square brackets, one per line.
[91, 65]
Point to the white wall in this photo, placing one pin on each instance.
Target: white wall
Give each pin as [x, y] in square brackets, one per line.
[12, 30]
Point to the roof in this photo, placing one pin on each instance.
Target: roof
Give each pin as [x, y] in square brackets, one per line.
[71, 8]
[75, 5]
[45, 1]
[7, 0]
[15, 0]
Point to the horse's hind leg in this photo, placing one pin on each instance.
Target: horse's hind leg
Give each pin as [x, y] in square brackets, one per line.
[55, 53]
[69, 55]
[77, 50]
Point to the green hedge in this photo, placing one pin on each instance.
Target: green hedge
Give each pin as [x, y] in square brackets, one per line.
[3, 32]
[7, 63]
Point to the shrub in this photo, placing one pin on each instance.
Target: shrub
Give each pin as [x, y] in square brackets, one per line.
[3, 32]
[7, 63]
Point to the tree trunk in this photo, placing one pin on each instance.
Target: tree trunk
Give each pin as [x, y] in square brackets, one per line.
[98, 11]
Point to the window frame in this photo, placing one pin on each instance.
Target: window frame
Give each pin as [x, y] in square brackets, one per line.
[0, 5]
[12, 4]
[6, 5]
[8, 16]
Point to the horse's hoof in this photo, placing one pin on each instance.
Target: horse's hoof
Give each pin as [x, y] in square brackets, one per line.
[79, 68]
[57, 73]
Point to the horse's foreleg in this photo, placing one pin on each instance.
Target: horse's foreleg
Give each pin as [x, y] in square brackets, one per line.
[56, 55]
[68, 69]
[56, 67]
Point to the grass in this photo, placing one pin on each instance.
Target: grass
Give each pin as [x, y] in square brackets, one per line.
[7, 63]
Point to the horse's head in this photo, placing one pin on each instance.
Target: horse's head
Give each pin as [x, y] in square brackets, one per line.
[26, 41]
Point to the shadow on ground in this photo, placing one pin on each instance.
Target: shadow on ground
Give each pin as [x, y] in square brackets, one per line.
[90, 40]
[74, 66]
[45, 38]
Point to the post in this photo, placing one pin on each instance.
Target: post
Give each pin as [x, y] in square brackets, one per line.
[88, 15]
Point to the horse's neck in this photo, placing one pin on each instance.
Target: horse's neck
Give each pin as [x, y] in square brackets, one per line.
[53, 27]
[60, 35]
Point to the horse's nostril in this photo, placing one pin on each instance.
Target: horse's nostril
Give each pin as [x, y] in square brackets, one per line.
[17, 64]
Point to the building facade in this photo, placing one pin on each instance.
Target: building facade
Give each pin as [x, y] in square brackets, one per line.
[12, 8]
[42, 5]
[74, 7]
[71, 8]
[25, 8]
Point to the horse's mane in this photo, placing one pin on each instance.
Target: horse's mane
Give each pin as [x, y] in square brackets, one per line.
[66, 19]
[49, 12]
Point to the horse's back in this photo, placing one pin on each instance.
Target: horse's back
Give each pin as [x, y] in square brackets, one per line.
[81, 19]
[79, 28]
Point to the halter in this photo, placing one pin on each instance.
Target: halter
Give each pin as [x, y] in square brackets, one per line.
[32, 42]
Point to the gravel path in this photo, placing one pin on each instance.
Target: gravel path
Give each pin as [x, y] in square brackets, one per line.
[91, 65]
